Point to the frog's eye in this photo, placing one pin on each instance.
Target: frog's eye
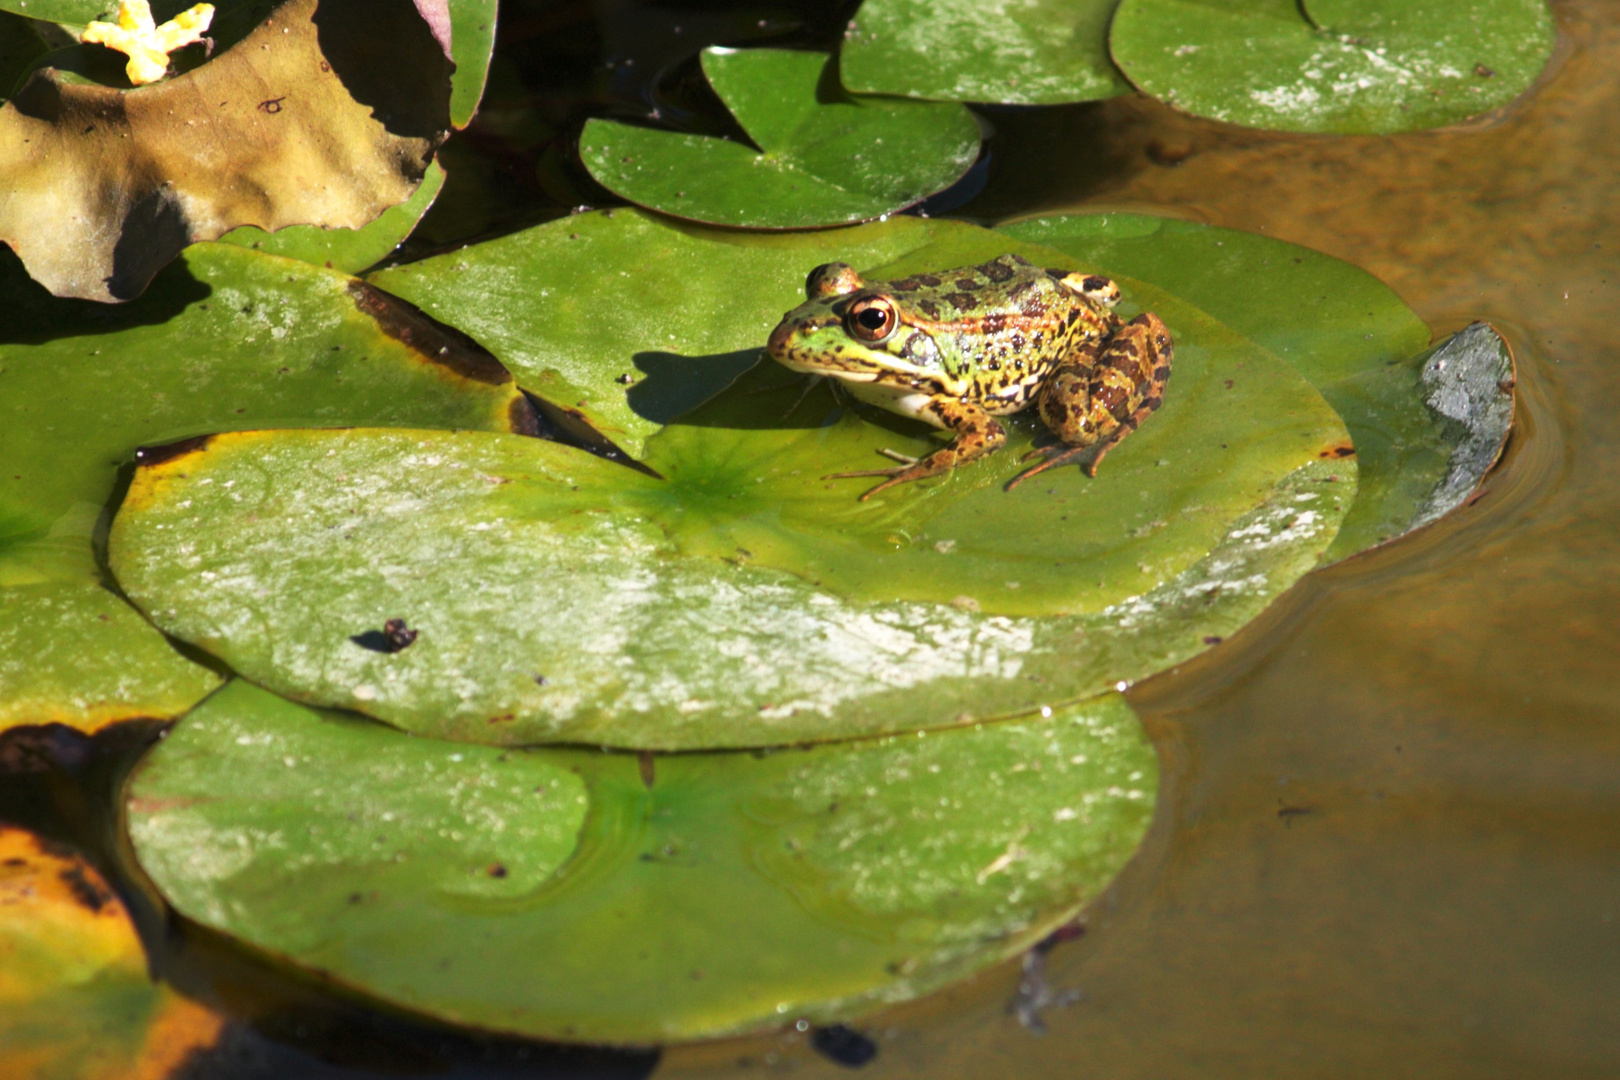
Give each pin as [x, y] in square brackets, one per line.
[871, 318]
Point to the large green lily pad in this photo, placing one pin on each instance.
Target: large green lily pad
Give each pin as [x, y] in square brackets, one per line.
[76, 1000]
[1338, 326]
[1379, 66]
[552, 606]
[709, 893]
[307, 120]
[226, 338]
[819, 157]
[1034, 52]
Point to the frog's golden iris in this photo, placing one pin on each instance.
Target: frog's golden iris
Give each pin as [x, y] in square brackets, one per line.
[960, 347]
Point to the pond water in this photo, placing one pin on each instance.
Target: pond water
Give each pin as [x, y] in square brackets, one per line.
[1388, 842]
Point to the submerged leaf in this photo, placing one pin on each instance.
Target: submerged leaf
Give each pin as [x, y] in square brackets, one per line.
[1032, 52]
[307, 120]
[551, 606]
[75, 997]
[1378, 66]
[709, 893]
[822, 158]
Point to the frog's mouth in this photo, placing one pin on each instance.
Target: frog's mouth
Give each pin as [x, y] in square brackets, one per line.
[846, 363]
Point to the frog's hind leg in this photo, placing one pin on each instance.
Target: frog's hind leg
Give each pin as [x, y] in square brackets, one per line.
[977, 434]
[1094, 400]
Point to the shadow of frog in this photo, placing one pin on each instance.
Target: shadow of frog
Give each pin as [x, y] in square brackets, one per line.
[672, 385]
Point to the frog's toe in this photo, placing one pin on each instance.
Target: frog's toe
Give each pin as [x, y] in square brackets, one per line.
[1055, 456]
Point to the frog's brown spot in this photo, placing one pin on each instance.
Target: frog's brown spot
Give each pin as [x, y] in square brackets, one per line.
[1160, 374]
[966, 284]
[995, 322]
[1343, 450]
[1095, 283]
[929, 308]
[998, 271]
[921, 281]
[960, 300]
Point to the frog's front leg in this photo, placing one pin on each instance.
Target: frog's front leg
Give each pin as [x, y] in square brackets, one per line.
[1093, 400]
[977, 434]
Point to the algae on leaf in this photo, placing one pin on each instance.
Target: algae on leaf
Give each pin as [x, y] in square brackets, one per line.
[709, 894]
[1375, 66]
[820, 157]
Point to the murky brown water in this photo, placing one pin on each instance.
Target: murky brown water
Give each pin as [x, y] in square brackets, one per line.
[1390, 844]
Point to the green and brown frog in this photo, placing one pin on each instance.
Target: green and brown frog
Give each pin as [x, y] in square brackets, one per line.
[958, 348]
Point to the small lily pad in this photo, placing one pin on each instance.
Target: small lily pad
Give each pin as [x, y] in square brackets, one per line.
[226, 338]
[347, 250]
[276, 551]
[1035, 52]
[75, 997]
[709, 893]
[1338, 326]
[1375, 66]
[820, 157]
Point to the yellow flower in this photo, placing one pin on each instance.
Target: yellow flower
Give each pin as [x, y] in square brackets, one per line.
[149, 45]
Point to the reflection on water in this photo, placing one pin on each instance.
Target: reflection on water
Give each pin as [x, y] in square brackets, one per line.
[1393, 847]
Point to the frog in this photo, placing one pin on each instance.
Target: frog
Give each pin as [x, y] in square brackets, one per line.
[958, 348]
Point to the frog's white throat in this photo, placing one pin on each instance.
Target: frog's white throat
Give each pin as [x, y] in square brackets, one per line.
[897, 399]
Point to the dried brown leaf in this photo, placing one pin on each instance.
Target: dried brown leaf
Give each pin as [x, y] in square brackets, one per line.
[326, 114]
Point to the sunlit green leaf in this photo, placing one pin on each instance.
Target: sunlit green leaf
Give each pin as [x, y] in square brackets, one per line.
[551, 605]
[73, 653]
[76, 1001]
[226, 338]
[710, 893]
[1033, 52]
[1365, 66]
[819, 157]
